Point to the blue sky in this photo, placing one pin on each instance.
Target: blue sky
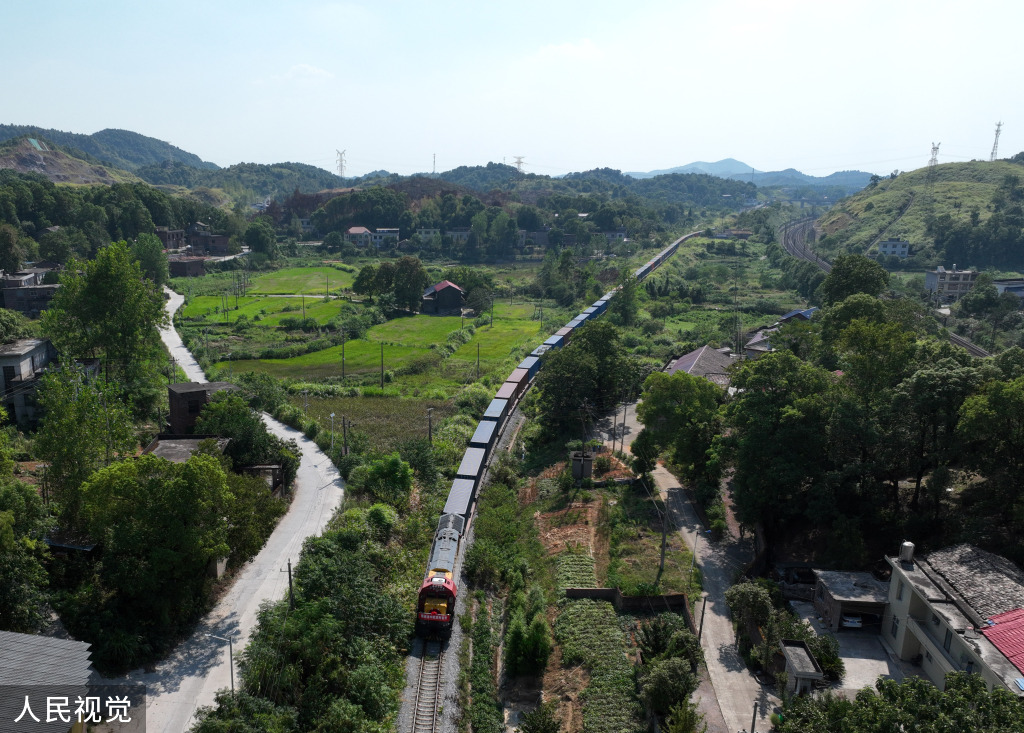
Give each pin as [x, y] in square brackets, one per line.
[635, 85]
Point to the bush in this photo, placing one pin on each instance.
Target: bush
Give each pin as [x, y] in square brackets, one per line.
[668, 683]
[602, 465]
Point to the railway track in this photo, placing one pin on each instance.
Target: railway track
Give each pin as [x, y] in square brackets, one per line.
[794, 240]
[428, 690]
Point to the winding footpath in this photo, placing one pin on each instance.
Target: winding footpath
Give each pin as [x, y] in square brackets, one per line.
[192, 674]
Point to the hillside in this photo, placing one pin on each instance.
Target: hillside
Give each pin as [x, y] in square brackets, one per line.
[846, 182]
[957, 198]
[115, 148]
[728, 168]
[38, 155]
[244, 182]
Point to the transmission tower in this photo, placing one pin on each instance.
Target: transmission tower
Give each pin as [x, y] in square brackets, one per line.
[934, 160]
[341, 163]
[519, 162]
[995, 145]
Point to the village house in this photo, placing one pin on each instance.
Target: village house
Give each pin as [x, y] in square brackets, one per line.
[171, 238]
[21, 365]
[949, 284]
[185, 401]
[707, 362]
[957, 609]
[359, 236]
[894, 248]
[443, 298]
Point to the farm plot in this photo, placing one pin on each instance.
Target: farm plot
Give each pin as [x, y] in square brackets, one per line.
[575, 570]
[590, 635]
[386, 421]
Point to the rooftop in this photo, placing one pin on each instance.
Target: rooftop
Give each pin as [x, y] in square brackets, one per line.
[179, 448]
[194, 387]
[1007, 634]
[990, 584]
[26, 659]
[850, 586]
[703, 362]
[21, 347]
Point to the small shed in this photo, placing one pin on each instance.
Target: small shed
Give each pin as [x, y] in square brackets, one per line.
[838, 593]
[443, 297]
[802, 669]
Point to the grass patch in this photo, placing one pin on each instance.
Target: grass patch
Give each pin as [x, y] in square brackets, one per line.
[295, 280]
[386, 421]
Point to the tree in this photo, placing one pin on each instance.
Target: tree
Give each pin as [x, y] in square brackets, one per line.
[260, 237]
[23, 577]
[685, 718]
[625, 306]
[160, 524]
[365, 282]
[12, 252]
[149, 251]
[681, 413]
[851, 274]
[540, 720]
[85, 319]
[410, 281]
[668, 683]
[13, 326]
[229, 416]
[388, 479]
[85, 425]
[914, 705]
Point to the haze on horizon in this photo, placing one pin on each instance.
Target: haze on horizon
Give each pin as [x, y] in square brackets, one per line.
[569, 85]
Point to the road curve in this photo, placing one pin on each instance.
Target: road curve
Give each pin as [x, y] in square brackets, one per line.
[192, 674]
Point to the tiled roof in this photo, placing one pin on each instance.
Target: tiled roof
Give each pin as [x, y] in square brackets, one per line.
[26, 659]
[990, 584]
[702, 362]
[1007, 634]
[441, 286]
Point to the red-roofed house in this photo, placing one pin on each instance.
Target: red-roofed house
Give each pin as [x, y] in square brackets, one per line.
[1007, 634]
[444, 297]
[359, 236]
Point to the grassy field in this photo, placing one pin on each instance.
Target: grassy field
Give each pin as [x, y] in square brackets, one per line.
[297, 280]
[270, 310]
[361, 357]
[387, 421]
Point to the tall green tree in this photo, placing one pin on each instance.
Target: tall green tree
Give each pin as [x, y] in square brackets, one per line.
[260, 237]
[410, 281]
[23, 578]
[681, 413]
[149, 251]
[85, 426]
[852, 274]
[106, 308]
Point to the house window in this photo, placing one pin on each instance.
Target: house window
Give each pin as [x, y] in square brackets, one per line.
[895, 626]
[948, 640]
[928, 655]
[899, 591]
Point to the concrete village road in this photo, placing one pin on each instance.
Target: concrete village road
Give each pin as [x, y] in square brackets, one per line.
[192, 674]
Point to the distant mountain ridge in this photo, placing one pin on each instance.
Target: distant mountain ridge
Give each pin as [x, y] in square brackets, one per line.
[739, 171]
[117, 148]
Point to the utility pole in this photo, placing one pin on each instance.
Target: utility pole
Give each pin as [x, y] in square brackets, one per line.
[291, 594]
[344, 434]
[478, 361]
[430, 425]
[305, 401]
[332, 432]
[703, 610]
[343, 354]
[753, 719]
[382, 365]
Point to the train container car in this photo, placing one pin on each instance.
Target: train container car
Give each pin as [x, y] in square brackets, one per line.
[484, 436]
[565, 332]
[474, 461]
[520, 378]
[435, 606]
[591, 312]
[460, 499]
[555, 341]
[600, 306]
[497, 411]
[540, 351]
[507, 391]
[532, 365]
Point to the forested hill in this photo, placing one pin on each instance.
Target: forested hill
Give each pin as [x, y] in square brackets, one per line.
[60, 165]
[247, 182]
[117, 148]
[968, 214]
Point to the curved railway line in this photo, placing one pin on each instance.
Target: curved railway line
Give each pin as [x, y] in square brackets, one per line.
[794, 239]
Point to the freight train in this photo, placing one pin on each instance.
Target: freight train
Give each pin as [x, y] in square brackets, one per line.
[435, 609]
